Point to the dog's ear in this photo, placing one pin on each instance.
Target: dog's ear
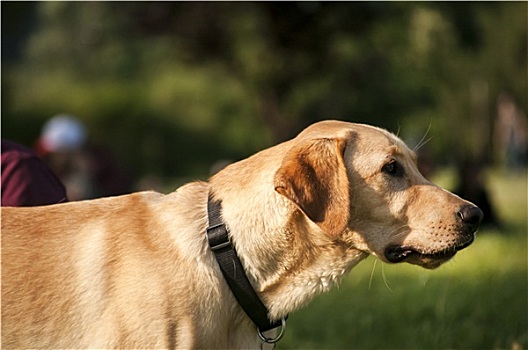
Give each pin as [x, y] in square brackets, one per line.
[313, 176]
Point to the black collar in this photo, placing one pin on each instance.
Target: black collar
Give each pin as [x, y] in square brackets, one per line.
[233, 271]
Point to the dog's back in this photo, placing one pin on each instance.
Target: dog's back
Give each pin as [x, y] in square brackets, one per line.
[96, 277]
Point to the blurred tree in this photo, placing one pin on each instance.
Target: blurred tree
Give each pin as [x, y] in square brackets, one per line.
[230, 78]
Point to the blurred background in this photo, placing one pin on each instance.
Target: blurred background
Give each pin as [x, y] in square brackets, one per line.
[171, 87]
[148, 95]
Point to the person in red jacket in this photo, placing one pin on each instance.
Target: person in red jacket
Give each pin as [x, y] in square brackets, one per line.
[26, 180]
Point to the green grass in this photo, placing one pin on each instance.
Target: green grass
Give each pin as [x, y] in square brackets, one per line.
[479, 300]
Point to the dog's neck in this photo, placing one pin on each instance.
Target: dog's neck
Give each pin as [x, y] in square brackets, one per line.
[310, 264]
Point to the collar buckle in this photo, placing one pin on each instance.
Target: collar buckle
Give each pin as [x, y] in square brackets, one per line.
[218, 237]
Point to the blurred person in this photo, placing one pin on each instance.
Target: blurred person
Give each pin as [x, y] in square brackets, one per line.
[26, 179]
[87, 170]
[62, 145]
[510, 133]
[471, 185]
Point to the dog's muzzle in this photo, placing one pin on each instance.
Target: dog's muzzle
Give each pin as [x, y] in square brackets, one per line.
[469, 218]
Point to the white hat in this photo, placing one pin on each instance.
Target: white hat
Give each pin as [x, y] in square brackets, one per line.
[63, 133]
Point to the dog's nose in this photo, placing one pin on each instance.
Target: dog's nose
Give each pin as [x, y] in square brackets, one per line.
[471, 216]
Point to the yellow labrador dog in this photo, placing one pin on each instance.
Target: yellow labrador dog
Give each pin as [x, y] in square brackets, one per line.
[137, 271]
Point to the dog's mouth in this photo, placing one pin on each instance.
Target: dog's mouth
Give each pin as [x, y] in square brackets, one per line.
[429, 259]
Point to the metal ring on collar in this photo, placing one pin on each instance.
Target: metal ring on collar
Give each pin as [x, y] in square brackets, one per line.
[277, 338]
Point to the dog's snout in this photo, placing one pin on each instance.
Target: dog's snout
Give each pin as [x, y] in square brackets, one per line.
[471, 216]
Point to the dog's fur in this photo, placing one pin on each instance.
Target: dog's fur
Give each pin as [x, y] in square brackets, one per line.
[136, 271]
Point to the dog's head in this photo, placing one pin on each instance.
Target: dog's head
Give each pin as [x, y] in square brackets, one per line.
[361, 185]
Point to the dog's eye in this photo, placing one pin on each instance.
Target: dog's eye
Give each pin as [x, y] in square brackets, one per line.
[393, 168]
